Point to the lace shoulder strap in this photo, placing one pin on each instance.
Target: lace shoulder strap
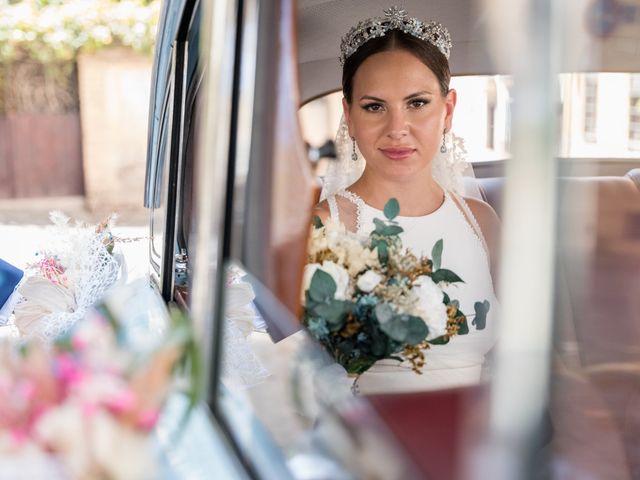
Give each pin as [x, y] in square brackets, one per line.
[346, 206]
[333, 208]
[470, 218]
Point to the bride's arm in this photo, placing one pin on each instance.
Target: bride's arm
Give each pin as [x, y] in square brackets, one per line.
[322, 211]
[490, 226]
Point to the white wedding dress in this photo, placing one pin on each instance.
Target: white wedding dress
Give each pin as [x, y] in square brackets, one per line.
[460, 362]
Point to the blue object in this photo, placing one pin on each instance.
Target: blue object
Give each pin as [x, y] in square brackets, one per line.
[10, 276]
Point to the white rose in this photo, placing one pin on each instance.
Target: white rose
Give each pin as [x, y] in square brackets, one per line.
[340, 276]
[334, 238]
[369, 280]
[356, 258]
[429, 304]
[335, 232]
[317, 242]
[338, 273]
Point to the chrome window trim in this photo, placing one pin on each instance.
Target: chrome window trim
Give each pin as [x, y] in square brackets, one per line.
[218, 52]
[175, 150]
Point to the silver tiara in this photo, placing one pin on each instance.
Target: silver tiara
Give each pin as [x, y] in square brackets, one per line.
[395, 18]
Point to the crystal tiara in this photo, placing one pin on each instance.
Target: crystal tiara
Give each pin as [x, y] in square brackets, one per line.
[395, 18]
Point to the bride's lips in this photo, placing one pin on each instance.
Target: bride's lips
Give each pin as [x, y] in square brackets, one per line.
[397, 153]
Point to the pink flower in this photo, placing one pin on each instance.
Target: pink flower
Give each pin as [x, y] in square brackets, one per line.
[27, 390]
[89, 409]
[18, 436]
[79, 342]
[67, 370]
[147, 419]
[123, 401]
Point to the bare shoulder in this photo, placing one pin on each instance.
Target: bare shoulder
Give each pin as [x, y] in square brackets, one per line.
[322, 211]
[485, 214]
[489, 224]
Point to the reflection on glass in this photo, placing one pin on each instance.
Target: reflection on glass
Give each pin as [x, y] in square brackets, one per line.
[290, 392]
[596, 368]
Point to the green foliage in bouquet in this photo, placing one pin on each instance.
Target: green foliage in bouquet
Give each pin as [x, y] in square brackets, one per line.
[373, 300]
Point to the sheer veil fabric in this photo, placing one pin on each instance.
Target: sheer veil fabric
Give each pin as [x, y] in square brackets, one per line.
[449, 168]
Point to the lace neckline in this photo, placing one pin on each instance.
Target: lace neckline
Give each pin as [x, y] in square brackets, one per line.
[460, 203]
[361, 206]
[358, 202]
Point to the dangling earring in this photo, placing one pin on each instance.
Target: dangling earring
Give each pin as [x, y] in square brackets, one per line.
[354, 154]
[443, 147]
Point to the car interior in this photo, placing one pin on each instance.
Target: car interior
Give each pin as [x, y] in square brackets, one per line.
[230, 182]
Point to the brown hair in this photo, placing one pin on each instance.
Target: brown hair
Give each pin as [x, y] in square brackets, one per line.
[426, 52]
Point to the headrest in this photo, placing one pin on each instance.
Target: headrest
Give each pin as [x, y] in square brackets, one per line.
[634, 175]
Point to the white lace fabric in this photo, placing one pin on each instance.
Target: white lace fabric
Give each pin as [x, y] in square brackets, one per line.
[448, 168]
[353, 215]
[346, 207]
[241, 366]
[47, 310]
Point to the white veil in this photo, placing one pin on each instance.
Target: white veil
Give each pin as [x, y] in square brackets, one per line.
[450, 169]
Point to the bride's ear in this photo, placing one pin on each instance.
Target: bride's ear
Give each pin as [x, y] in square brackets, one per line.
[450, 105]
[346, 111]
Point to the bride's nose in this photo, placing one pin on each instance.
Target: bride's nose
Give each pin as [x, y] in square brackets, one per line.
[397, 126]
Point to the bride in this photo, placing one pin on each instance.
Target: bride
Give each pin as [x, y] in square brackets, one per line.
[398, 111]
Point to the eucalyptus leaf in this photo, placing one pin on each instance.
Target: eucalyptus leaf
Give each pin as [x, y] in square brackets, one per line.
[359, 365]
[317, 223]
[463, 326]
[444, 275]
[384, 312]
[392, 230]
[380, 226]
[379, 344]
[383, 252]
[480, 320]
[406, 328]
[441, 340]
[436, 254]
[309, 302]
[323, 287]
[391, 209]
[333, 313]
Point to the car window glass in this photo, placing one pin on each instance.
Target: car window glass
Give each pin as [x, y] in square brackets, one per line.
[158, 215]
[599, 116]
[593, 281]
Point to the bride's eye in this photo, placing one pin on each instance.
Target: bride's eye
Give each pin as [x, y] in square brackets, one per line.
[418, 103]
[372, 107]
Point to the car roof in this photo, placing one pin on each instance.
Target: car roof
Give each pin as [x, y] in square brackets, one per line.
[590, 39]
[322, 23]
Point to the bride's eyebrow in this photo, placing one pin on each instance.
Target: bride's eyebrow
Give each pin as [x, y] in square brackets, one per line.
[417, 94]
[408, 97]
[369, 97]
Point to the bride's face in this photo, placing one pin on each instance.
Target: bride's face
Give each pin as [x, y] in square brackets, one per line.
[398, 114]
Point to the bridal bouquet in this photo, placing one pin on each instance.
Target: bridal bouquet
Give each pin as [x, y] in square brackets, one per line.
[84, 406]
[370, 300]
[73, 273]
